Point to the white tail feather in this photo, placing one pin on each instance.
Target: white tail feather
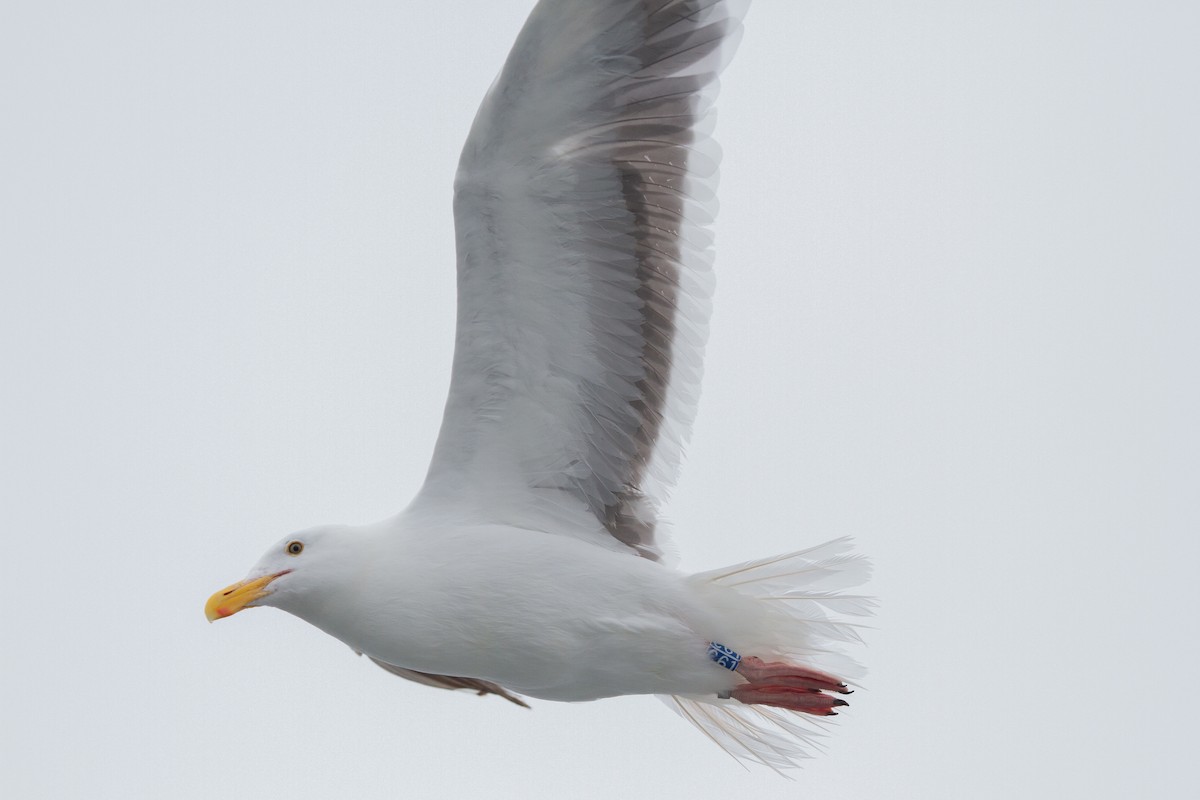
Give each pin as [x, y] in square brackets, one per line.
[801, 589]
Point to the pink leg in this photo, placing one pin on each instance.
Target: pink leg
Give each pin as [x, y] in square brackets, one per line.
[790, 686]
[780, 673]
[810, 701]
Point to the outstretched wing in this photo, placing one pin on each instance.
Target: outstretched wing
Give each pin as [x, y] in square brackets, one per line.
[582, 202]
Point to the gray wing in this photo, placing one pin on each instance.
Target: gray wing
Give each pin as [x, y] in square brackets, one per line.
[582, 203]
[476, 685]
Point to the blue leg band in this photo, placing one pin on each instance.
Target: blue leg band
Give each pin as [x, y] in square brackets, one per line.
[724, 656]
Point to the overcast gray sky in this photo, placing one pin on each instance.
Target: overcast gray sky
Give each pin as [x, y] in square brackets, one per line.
[956, 317]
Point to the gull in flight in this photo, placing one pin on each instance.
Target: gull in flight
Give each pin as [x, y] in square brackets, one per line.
[530, 564]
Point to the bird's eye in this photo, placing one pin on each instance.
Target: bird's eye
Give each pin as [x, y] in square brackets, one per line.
[294, 548]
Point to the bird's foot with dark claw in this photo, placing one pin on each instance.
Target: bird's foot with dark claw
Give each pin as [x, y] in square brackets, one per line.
[790, 686]
[808, 701]
[781, 673]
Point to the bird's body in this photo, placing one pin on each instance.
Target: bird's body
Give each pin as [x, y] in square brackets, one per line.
[531, 559]
[541, 614]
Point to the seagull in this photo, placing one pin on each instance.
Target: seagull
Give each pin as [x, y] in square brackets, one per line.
[532, 562]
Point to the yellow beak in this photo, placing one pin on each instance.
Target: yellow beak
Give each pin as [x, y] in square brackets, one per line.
[233, 599]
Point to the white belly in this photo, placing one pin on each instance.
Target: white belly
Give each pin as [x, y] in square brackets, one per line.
[543, 615]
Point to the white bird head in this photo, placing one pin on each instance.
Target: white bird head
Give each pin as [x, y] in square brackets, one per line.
[290, 574]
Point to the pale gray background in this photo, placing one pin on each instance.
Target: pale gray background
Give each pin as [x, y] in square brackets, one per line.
[956, 318]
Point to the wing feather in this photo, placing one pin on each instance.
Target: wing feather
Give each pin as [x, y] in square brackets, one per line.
[480, 687]
[581, 205]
